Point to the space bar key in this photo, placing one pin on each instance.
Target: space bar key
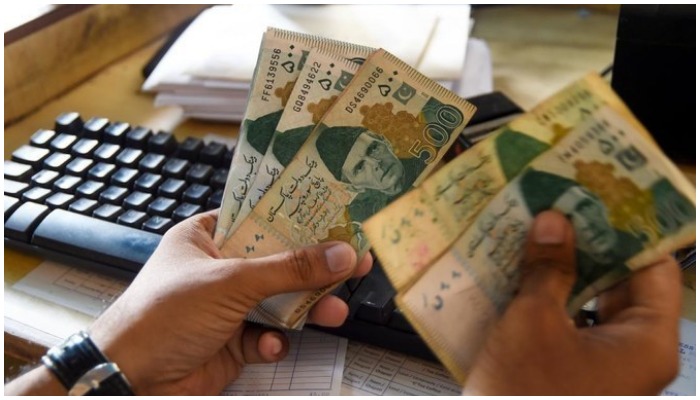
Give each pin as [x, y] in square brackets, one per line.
[94, 239]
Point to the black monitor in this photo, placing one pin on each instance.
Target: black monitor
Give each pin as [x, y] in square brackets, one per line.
[654, 73]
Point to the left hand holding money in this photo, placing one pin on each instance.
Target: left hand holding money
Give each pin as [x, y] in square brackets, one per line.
[180, 328]
[535, 349]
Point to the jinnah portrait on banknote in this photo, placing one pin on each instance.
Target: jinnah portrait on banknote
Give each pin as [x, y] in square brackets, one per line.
[601, 248]
[365, 161]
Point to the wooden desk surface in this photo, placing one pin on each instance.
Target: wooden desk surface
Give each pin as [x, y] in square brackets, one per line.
[535, 51]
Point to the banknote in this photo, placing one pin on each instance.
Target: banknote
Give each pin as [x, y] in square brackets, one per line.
[628, 204]
[323, 77]
[280, 61]
[446, 204]
[385, 133]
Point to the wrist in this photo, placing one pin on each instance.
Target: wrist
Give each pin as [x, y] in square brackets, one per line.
[82, 369]
[37, 382]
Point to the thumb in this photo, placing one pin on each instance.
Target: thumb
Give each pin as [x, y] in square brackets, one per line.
[548, 269]
[307, 268]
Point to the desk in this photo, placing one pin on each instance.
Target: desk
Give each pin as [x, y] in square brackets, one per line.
[535, 50]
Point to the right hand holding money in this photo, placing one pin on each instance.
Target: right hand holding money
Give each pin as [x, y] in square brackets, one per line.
[535, 349]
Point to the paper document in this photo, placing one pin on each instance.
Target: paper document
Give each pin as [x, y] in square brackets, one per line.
[371, 370]
[313, 367]
[84, 291]
[684, 384]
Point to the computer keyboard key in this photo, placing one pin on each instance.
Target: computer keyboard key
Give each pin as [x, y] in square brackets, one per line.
[199, 173]
[84, 147]
[172, 188]
[17, 171]
[353, 283]
[107, 212]
[157, 224]
[67, 183]
[83, 206]
[148, 182]
[197, 194]
[218, 179]
[11, 203]
[90, 189]
[107, 152]
[59, 200]
[213, 154]
[342, 292]
[162, 143]
[124, 177]
[14, 188]
[63, 142]
[113, 195]
[215, 199]
[112, 244]
[137, 138]
[162, 206]
[176, 168]
[24, 220]
[36, 194]
[116, 132]
[186, 210]
[132, 218]
[95, 127]
[44, 178]
[399, 322]
[376, 303]
[69, 122]
[42, 138]
[102, 172]
[189, 149]
[79, 166]
[228, 157]
[137, 201]
[30, 155]
[57, 161]
[129, 157]
[152, 162]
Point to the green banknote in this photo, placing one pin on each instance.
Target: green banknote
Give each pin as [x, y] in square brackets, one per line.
[280, 61]
[446, 204]
[385, 133]
[628, 204]
[323, 77]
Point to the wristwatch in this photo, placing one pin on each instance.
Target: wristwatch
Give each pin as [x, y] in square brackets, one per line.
[83, 370]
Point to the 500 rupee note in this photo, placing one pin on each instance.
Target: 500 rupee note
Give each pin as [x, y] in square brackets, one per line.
[280, 61]
[322, 79]
[446, 204]
[628, 204]
[384, 134]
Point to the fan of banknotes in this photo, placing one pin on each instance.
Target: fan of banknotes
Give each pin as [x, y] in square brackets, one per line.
[337, 143]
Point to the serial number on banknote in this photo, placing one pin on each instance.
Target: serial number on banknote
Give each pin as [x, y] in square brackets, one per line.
[363, 90]
[271, 75]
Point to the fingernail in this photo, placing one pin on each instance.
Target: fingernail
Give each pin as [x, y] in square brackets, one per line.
[276, 346]
[549, 229]
[338, 257]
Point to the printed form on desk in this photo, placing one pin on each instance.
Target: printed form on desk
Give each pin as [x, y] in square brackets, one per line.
[317, 363]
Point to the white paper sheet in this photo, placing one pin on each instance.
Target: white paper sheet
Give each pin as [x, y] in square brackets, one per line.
[684, 384]
[77, 289]
[371, 370]
[313, 367]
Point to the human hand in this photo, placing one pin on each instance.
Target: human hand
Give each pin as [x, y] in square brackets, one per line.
[535, 349]
[180, 328]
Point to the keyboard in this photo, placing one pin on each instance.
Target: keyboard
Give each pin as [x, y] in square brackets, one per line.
[99, 194]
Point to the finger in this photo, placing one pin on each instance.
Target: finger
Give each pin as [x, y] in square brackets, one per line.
[308, 268]
[263, 345]
[329, 311]
[612, 301]
[656, 289]
[364, 266]
[548, 268]
[191, 238]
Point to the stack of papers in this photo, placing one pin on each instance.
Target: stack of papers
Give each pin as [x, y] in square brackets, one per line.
[208, 70]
